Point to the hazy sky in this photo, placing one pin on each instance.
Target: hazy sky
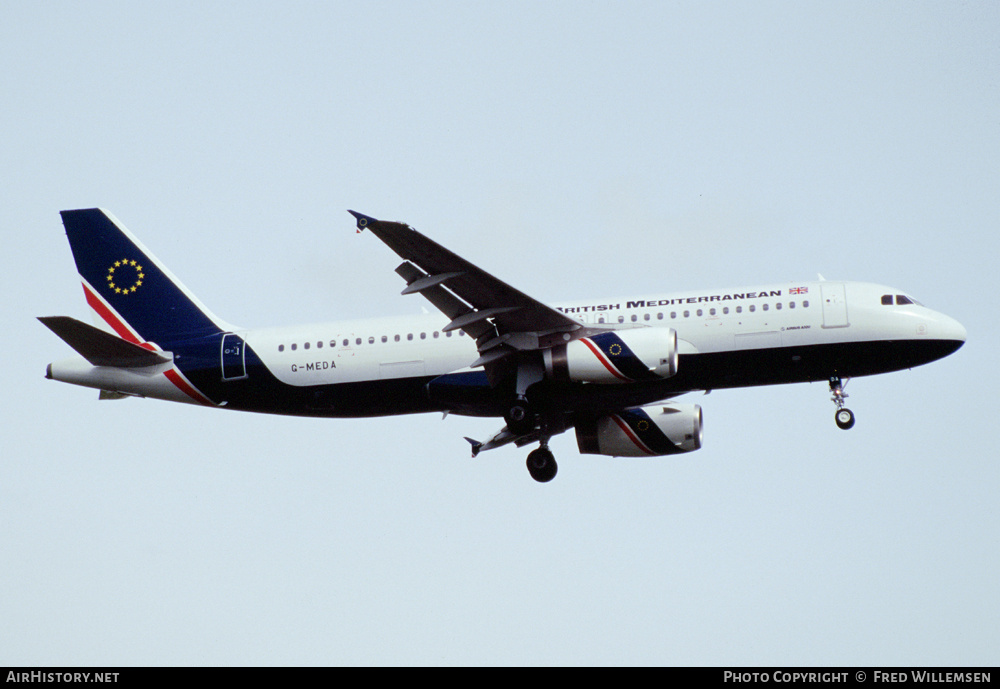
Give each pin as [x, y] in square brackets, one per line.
[576, 150]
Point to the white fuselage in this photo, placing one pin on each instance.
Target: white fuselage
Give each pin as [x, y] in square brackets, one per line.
[725, 338]
[761, 317]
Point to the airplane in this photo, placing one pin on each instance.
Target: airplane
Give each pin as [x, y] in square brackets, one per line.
[609, 368]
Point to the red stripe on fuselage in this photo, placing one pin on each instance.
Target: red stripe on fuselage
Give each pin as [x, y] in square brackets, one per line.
[119, 326]
[174, 377]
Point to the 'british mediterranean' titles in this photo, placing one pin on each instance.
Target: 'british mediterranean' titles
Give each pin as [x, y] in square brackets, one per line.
[647, 303]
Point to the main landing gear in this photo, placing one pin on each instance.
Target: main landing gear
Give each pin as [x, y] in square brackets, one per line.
[523, 420]
[542, 465]
[520, 418]
[844, 416]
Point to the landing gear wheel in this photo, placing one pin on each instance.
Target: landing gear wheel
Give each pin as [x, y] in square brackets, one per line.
[844, 418]
[520, 419]
[542, 465]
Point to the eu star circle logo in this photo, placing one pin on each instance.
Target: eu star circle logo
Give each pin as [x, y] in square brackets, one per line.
[125, 277]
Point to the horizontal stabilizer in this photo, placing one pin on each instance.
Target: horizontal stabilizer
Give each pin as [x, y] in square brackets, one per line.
[99, 347]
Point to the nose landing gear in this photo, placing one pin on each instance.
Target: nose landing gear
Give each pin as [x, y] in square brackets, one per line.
[844, 416]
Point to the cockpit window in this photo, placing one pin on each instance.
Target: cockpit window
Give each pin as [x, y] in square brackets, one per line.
[900, 300]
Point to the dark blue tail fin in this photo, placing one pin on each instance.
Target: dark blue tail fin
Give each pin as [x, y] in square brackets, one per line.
[130, 291]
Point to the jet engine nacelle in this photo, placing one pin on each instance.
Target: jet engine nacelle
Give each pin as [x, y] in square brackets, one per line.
[620, 356]
[653, 431]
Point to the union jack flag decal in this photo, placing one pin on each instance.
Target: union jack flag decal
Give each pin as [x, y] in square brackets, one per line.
[799, 290]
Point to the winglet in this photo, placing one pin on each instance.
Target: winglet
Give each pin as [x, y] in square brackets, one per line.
[476, 446]
[363, 220]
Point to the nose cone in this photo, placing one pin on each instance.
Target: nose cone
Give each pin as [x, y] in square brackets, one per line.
[950, 332]
[953, 330]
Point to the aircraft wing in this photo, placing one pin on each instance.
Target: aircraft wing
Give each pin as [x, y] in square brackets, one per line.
[499, 317]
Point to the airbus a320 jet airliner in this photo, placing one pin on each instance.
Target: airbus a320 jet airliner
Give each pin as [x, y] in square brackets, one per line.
[606, 368]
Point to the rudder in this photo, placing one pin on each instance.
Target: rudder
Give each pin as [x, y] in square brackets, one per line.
[129, 290]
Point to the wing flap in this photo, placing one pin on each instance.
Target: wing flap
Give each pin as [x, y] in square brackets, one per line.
[446, 302]
[476, 316]
[514, 310]
[427, 282]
